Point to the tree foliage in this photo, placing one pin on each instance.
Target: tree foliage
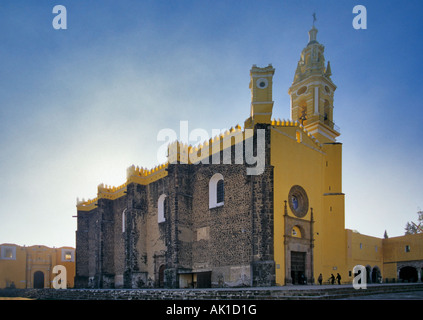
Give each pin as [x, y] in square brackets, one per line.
[415, 227]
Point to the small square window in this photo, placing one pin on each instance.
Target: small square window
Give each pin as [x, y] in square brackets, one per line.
[8, 253]
[68, 255]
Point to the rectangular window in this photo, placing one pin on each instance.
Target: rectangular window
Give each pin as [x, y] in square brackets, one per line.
[220, 192]
[407, 248]
[68, 255]
[8, 253]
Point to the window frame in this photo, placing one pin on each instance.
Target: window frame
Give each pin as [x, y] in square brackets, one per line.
[3, 252]
[213, 194]
[161, 208]
[65, 252]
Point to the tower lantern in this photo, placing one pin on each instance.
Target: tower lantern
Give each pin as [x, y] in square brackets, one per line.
[312, 92]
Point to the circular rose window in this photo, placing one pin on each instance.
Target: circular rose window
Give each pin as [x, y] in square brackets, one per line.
[298, 201]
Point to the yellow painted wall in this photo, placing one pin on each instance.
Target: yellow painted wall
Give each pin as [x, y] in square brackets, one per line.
[394, 248]
[301, 161]
[13, 270]
[20, 268]
[363, 250]
[394, 251]
[332, 229]
[294, 164]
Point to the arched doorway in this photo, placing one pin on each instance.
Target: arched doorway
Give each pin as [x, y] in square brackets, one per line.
[408, 274]
[368, 274]
[38, 280]
[161, 276]
[376, 275]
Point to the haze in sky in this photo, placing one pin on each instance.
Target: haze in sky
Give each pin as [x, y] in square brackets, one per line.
[78, 106]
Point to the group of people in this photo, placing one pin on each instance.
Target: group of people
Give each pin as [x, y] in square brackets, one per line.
[331, 279]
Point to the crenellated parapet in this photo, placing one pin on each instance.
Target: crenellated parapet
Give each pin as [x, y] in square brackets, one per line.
[86, 205]
[182, 153]
[110, 192]
[133, 175]
[178, 152]
[145, 176]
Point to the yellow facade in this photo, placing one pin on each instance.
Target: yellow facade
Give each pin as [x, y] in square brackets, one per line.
[304, 152]
[32, 267]
[307, 154]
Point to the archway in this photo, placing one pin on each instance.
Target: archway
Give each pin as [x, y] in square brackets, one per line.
[368, 274]
[38, 280]
[161, 275]
[408, 274]
[376, 275]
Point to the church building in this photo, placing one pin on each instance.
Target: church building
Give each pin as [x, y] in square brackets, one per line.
[200, 222]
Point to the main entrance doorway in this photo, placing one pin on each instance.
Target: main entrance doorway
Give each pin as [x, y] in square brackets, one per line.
[298, 267]
[204, 279]
[38, 280]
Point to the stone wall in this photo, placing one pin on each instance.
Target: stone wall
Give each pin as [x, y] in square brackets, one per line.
[232, 242]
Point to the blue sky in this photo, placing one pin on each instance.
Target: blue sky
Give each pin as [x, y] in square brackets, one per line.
[79, 106]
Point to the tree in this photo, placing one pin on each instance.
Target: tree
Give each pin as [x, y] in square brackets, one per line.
[385, 235]
[413, 228]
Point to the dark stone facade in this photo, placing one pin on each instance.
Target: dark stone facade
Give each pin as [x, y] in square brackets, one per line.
[196, 246]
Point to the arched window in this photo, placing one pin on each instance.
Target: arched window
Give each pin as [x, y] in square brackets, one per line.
[327, 111]
[161, 207]
[302, 111]
[216, 191]
[123, 220]
[296, 232]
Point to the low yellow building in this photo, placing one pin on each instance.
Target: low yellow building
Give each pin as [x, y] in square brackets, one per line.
[32, 267]
[397, 259]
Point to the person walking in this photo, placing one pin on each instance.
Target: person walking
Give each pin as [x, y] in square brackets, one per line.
[332, 278]
[338, 277]
[320, 279]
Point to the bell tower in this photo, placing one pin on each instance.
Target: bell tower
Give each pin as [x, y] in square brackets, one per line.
[312, 92]
[261, 82]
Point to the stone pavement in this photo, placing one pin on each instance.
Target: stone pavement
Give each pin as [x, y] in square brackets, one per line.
[305, 292]
[412, 295]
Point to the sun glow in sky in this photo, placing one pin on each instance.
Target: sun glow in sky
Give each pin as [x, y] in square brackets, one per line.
[79, 106]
